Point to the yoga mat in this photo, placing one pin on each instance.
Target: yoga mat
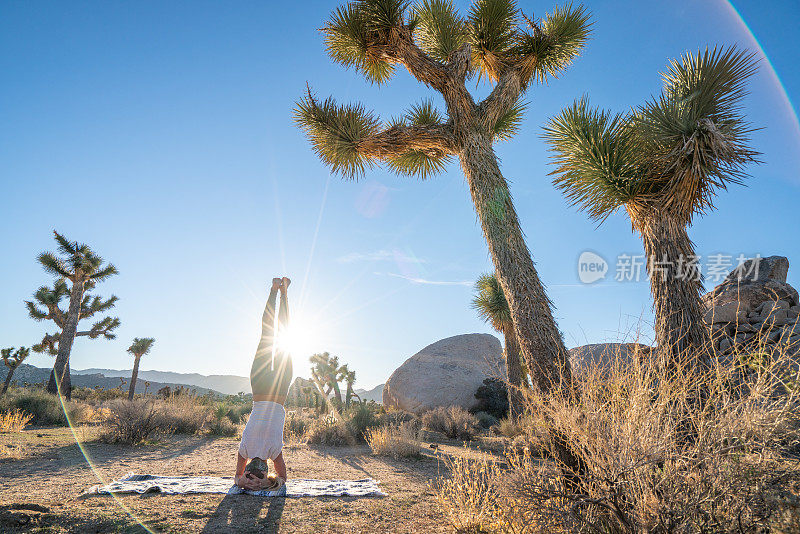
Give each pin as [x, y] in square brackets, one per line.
[299, 487]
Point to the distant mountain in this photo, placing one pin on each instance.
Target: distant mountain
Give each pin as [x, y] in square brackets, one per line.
[374, 394]
[28, 374]
[228, 384]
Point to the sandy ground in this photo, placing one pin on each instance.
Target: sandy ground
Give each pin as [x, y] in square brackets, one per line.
[43, 472]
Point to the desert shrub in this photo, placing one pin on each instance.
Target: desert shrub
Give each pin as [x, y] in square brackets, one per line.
[508, 428]
[185, 414]
[97, 395]
[46, 409]
[454, 422]
[222, 427]
[329, 431]
[398, 417]
[492, 397]
[397, 442]
[134, 422]
[653, 457]
[296, 426]
[361, 418]
[486, 420]
[14, 420]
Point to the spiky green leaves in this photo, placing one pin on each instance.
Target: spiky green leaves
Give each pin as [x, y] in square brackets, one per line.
[669, 156]
[493, 27]
[335, 133]
[13, 358]
[508, 123]
[490, 302]
[417, 162]
[359, 34]
[141, 346]
[439, 30]
[551, 45]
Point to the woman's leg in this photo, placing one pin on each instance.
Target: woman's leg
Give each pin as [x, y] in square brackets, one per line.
[283, 312]
[263, 356]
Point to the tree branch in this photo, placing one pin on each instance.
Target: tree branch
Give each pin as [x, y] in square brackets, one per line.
[502, 98]
[435, 140]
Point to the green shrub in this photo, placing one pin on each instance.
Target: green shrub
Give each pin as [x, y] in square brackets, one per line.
[362, 418]
[46, 409]
[185, 414]
[486, 420]
[398, 417]
[222, 427]
[296, 426]
[492, 397]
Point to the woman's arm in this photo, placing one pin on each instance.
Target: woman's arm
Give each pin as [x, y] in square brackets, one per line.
[240, 479]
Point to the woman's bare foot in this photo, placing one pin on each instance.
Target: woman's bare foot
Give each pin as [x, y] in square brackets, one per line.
[286, 282]
[276, 283]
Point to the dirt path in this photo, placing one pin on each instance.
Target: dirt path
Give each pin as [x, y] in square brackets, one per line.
[41, 486]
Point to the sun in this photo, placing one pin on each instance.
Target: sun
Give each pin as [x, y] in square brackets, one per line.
[298, 340]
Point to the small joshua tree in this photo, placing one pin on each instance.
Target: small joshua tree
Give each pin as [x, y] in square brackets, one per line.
[443, 50]
[349, 378]
[492, 306]
[13, 359]
[139, 347]
[664, 162]
[325, 375]
[83, 269]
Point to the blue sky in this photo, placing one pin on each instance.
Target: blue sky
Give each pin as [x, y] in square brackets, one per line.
[161, 134]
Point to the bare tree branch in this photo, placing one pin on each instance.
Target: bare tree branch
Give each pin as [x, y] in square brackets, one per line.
[434, 140]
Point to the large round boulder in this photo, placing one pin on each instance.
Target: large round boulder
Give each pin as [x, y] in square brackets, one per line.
[445, 373]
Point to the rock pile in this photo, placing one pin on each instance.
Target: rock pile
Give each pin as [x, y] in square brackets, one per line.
[754, 307]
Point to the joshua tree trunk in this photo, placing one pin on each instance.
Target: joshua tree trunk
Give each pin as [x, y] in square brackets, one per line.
[134, 375]
[348, 394]
[680, 333]
[337, 391]
[540, 340]
[8, 380]
[59, 377]
[514, 371]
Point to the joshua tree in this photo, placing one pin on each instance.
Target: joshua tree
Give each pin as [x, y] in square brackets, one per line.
[325, 375]
[13, 359]
[664, 161]
[349, 377]
[83, 269]
[442, 50]
[139, 347]
[492, 306]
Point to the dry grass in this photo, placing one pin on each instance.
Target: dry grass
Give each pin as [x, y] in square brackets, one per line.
[14, 420]
[134, 421]
[396, 442]
[330, 431]
[185, 414]
[653, 458]
[454, 422]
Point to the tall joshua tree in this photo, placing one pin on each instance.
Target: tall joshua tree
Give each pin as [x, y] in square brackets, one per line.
[77, 264]
[325, 375]
[12, 359]
[139, 347]
[349, 378]
[664, 161]
[492, 306]
[443, 50]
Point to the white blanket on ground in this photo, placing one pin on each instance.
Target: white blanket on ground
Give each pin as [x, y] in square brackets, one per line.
[300, 487]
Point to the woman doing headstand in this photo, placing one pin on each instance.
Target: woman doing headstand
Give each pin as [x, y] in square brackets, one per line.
[270, 377]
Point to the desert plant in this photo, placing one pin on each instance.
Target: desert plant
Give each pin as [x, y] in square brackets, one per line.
[491, 304]
[396, 442]
[639, 472]
[185, 414]
[296, 426]
[222, 426]
[139, 347]
[330, 431]
[134, 421]
[83, 269]
[12, 359]
[360, 419]
[454, 422]
[349, 378]
[325, 375]
[493, 398]
[14, 420]
[664, 161]
[45, 408]
[443, 50]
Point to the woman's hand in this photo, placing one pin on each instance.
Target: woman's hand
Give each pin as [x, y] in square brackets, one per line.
[247, 483]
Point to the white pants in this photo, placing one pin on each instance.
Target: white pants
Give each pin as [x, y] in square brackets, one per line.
[263, 433]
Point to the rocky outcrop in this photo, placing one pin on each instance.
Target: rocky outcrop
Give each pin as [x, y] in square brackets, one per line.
[604, 356]
[295, 396]
[754, 307]
[445, 373]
